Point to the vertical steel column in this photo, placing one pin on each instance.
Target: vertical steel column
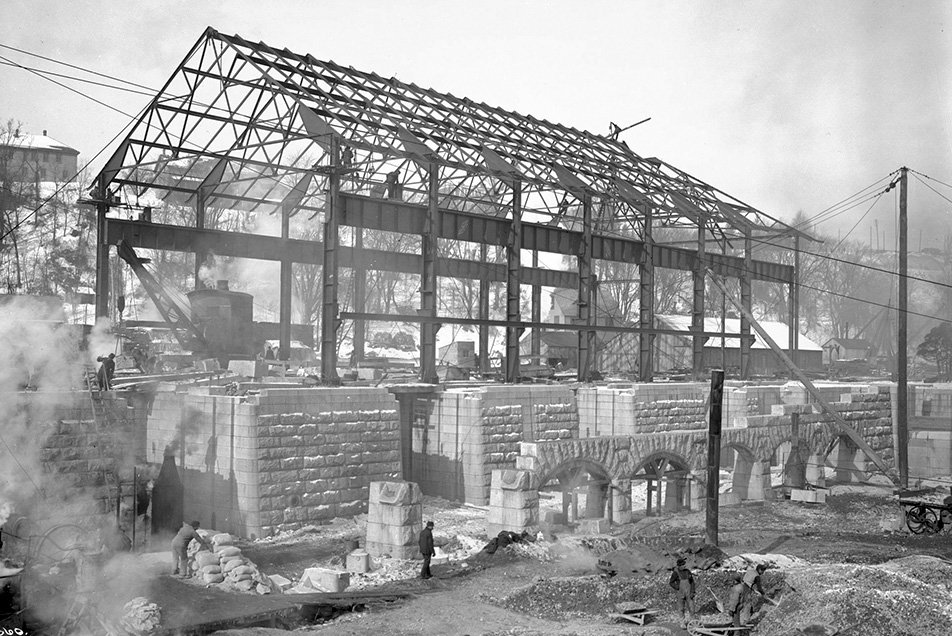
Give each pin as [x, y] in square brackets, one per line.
[428, 282]
[646, 300]
[745, 300]
[793, 334]
[284, 302]
[360, 295]
[585, 338]
[536, 311]
[697, 311]
[102, 252]
[483, 314]
[714, 455]
[329, 274]
[200, 256]
[513, 265]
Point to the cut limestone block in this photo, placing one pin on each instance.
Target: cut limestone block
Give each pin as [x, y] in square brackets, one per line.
[399, 493]
[326, 579]
[395, 515]
[358, 562]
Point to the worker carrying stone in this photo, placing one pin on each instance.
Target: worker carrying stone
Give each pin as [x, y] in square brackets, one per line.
[180, 543]
[682, 581]
[740, 605]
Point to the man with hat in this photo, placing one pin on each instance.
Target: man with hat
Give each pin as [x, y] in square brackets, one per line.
[426, 549]
[682, 580]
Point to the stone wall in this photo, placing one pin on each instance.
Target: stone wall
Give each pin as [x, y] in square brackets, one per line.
[642, 408]
[468, 433]
[70, 462]
[278, 460]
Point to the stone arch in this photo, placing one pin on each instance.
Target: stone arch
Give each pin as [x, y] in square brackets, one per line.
[741, 461]
[667, 479]
[584, 485]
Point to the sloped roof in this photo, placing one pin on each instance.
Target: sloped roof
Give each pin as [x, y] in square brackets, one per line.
[778, 331]
[284, 109]
[851, 343]
[38, 142]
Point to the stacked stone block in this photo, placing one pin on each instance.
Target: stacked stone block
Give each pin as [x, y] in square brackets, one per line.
[280, 460]
[474, 431]
[513, 501]
[641, 408]
[394, 519]
[81, 460]
[448, 448]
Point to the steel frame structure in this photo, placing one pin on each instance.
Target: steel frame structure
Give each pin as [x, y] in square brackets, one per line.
[244, 126]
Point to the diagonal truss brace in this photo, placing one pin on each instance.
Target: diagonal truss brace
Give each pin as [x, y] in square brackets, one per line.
[840, 423]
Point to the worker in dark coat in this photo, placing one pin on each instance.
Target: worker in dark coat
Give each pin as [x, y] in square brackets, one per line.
[682, 580]
[180, 547]
[426, 549]
[109, 365]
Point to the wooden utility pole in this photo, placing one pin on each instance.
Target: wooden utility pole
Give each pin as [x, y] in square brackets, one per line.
[902, 405]
[714, 454]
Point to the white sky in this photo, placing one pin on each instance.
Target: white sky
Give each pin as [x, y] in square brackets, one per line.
[786, 105]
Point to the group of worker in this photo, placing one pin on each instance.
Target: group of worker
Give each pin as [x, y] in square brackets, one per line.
[739, 605]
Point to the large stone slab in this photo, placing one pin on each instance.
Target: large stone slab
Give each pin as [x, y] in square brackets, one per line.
[395, 492]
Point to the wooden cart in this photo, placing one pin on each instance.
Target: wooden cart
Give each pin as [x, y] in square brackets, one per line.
[928, 517]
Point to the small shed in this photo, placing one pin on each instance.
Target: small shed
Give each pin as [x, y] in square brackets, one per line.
[840, 349]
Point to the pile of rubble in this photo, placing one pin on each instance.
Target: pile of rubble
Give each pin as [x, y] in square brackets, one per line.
[905, 597]
[140, 617]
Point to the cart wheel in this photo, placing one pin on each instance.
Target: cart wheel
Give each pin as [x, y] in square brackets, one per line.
[920, 519]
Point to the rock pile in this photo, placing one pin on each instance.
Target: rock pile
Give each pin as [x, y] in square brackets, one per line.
[140, 617]
[225, 566]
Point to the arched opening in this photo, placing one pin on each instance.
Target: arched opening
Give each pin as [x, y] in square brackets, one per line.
[738, 464]
[573, 491]
[788, 465]
[661, 484]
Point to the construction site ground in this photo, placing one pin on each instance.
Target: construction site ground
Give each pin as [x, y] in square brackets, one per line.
[848, 564]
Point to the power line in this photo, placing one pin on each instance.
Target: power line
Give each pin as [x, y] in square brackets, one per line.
[79, 68]
[6, 62]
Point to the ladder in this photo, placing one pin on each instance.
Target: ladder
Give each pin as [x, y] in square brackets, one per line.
[100, 413]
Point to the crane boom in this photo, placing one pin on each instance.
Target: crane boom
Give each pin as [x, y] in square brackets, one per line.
[187, 333]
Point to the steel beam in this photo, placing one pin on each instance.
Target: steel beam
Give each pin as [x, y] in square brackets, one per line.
[329, 274]
[360, 296]
[646, 302]
[428, 284]
[158, 236]
[697, 306]
[513, 266]
[536, 309]
[483, 314]
[402, 217]
[586, 339]
[102, 252]
[746, 299]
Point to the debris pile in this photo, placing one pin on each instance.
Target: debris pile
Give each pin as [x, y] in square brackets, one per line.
[227, 568]
[570, 597]
[140, 617]
[904, 597]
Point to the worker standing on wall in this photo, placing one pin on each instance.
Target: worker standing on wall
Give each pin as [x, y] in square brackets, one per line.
[426, 549]
[180, 547]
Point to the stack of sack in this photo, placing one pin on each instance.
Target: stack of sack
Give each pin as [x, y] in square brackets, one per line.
[226, 566]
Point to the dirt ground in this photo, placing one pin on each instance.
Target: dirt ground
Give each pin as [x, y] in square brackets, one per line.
[849, 564]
